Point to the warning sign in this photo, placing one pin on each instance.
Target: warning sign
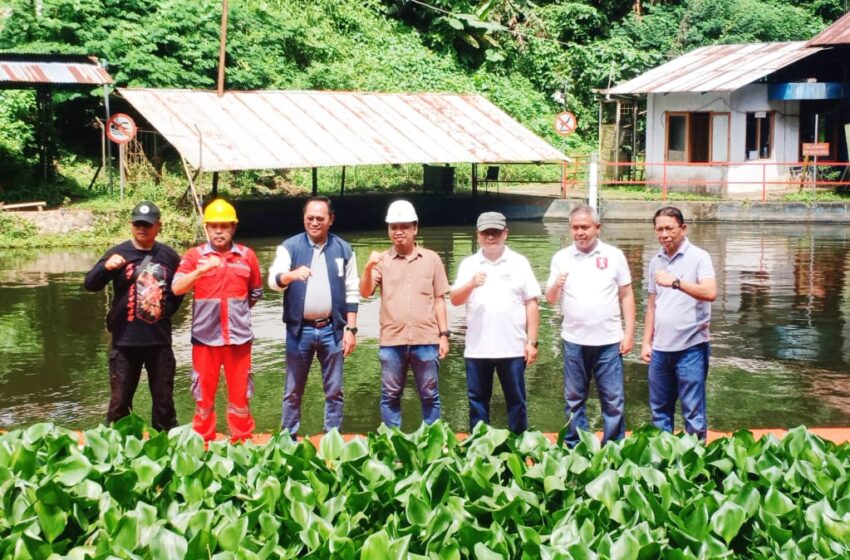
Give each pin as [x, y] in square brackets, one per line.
[120, 128]
[565, 123]
[819, 149]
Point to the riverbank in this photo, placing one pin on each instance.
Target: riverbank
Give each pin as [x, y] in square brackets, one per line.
[105, 224]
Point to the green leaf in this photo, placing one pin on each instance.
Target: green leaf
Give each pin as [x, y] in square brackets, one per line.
[777, 503]
[331, 445]
[376, 546]
[484, 553]
[73, 469]
[167, 545]
[52, 520]
[605, 488]
[727, 520]
[354, 450]
[231, 533]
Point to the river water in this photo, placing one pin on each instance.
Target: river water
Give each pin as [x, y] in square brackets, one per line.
[780, 335]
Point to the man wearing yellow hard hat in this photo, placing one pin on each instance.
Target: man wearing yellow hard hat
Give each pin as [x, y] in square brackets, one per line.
[227, 283]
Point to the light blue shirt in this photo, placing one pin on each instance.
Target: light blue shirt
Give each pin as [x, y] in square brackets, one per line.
[681, 321]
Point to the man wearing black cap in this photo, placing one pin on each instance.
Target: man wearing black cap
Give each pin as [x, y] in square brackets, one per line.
[139, 319]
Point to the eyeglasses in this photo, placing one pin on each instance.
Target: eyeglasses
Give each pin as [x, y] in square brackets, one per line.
[492, 232]
[142, 224]
[317, 219]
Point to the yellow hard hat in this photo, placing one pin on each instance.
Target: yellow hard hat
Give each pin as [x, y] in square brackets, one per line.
[220, 211]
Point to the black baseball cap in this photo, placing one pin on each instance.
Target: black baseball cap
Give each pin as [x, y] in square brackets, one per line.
[145, 211]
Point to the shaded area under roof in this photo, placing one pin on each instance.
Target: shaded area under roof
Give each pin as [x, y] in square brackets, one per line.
[836, 34]
[716, 68]
[26, 70]
[290, 129]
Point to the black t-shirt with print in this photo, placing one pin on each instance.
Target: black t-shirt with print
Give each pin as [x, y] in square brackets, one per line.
[142, 304]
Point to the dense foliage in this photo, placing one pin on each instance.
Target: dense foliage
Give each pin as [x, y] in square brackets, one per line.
[423, 495]
[523, 55]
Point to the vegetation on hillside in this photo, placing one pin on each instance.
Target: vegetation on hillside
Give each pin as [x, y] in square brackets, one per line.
[529, 58]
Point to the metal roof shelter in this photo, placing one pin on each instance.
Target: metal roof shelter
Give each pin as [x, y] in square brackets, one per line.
[20, 71]
[43, 73]
[291, 129]
[716, 68]
[836, 34]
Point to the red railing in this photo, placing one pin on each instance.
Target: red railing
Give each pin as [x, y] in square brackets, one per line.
[664, 175]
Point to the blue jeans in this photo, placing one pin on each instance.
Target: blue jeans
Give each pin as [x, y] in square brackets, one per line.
[679, 374]
[605, 364]
[299, 356]
[395, 360]
[479, 389]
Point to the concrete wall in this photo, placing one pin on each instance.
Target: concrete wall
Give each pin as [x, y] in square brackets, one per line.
[724, 211]
[728, 178]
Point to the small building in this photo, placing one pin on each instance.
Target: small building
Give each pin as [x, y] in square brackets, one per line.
[730, 119]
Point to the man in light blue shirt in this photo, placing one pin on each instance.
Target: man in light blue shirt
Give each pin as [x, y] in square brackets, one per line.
[681, 287]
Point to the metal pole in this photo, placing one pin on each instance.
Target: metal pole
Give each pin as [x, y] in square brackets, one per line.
[222, 47]
[315, 181]
[121, 170]
[474, 179]
[815, 168]
[342, 183]
[592, 181]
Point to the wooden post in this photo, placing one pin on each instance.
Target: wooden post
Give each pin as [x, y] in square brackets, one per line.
[474, 179]
[342, 183]
[222, 47]
[315, 181]
[215, 185]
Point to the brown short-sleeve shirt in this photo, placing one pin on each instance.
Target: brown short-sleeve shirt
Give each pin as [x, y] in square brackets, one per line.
[409, 287]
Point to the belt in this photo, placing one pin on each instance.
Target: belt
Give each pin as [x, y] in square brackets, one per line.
[318, 323]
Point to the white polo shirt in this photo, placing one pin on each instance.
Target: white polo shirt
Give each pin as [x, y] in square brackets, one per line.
[495, 311]
[590, 300]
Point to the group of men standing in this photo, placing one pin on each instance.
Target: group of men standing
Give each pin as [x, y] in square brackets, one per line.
[316, 270]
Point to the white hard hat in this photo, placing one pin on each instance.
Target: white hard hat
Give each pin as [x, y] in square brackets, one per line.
[401, 212]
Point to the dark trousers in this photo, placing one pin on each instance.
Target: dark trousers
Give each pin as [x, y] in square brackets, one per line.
[479, 389]
[125, 369]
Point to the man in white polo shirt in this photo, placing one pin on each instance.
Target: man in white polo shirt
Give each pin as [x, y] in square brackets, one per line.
[500, 292]
[592, 283]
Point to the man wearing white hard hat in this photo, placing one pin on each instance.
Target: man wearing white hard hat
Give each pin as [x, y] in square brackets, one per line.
[414, 326]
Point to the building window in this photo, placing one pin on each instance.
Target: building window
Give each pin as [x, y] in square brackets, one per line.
[698, 137]
[759, 135]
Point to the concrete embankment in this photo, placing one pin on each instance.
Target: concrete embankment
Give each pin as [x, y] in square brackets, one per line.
[367, 211]
[357, 212]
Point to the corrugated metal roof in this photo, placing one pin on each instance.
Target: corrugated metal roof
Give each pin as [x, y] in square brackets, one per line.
[51, 69]
[716, 68]
[836, 34]
[286, 129]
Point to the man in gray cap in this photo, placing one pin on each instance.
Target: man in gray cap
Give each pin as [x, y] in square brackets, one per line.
[500, 292]
[141, 270]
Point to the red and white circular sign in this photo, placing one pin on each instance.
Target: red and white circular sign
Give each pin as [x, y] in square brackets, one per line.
[121, 128]
[565, 123]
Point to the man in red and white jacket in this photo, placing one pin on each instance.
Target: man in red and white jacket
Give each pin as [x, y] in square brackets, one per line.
[227, 282]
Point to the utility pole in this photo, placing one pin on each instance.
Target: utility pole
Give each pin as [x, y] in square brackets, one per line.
[222, 51]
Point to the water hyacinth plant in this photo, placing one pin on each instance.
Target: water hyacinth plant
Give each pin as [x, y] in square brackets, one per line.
[420, 495]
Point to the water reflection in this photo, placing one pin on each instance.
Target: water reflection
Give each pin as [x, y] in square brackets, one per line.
[779, 334]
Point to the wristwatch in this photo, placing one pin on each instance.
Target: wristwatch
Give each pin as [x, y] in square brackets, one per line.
[352, 330]
[676, 285]
[533, 342]
[446, 334]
